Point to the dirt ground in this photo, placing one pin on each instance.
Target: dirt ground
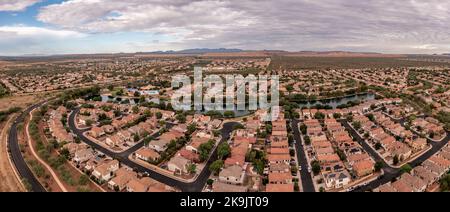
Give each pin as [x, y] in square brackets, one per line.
[9, 181]
[17, 101]
[4, 63]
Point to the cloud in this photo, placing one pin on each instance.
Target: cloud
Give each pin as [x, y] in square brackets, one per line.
[21, 39]
[401, 26]
[16, 5]
[36, 32]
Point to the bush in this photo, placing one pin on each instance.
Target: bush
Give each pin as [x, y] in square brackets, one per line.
[210, 182]
[84, 180]
[406, 168]
[445, 183]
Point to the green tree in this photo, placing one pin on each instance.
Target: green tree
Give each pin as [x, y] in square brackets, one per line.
[337, 115]
[84, 180]
[119, 92]
[349, 118]
[406, 168]
[259, 166]
[205, 149]
[192, 168]
[319, 116]
[378, 146]
[396, 160]
[110, 87]
[315, 166]
[181, 118]
[289, 88]
[135, 109]
[216, 166]
[445, 183]
[307, 140]
[296, 187]
[294, 169]
[65, 152]
[191, 128]
[341, 155]
[223, 151]
[303, 129]
[158, 115]
[371, 117]
[136, 137]
[357, 125]
[89, 122]
[238, 126]
[210, 182]
[378, 166]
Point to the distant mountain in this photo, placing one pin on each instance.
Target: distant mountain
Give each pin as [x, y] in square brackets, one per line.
[199, 51]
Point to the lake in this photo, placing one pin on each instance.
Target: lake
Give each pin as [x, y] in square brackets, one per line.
[335, 102]
[133, 101]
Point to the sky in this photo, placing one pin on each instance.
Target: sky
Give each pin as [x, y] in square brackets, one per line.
[45, 27]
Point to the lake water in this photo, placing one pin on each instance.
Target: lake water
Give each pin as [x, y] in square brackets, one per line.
[237, 113]
[133, 101]
[332, 102]
[335, 102]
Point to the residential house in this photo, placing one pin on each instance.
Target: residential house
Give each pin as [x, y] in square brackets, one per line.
[337, 179]
[238, 152]
[363, 168]
[195, 144]
[105, 171]
[280, 178]
[119, 182]
[232, 175]
[178, 165]
[97, 132]
[83, 155]
[147, 154]
[224, 187]
[272, 188]
[114, 140]
[279, 159]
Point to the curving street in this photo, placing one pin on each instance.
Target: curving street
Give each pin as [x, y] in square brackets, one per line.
[16, 155]
[306, 179]
[389, 172]
[196, 186]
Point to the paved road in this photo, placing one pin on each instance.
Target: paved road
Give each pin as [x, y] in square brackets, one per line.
[16, 155]
[367, 147]
[196, 186]
[307, 181]
[392, 173]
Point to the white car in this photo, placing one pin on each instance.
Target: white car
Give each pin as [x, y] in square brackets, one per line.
[299, 168]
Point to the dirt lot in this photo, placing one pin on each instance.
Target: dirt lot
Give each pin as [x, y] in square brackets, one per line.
[4, 63]
[9, 181]
[17, 101]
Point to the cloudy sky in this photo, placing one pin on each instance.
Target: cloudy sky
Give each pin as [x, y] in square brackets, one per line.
[107, 26]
